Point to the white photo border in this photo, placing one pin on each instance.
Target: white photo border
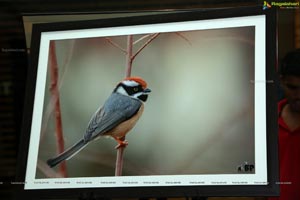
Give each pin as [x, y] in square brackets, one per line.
[260, 177]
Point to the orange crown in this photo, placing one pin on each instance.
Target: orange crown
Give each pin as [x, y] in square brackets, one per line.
[138, 80]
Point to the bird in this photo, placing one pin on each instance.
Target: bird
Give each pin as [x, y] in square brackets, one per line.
[115, 118]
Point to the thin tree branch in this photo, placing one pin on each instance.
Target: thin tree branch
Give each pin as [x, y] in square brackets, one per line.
[120, 160]
[142, 38]
[47, 115]
[50, 107]
[55, 92]
[120, 150]
[146, 44]
[129, 58]
[115, 45]
[67, 63]
[184, 38]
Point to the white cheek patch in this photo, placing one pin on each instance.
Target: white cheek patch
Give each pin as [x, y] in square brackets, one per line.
[121, 90]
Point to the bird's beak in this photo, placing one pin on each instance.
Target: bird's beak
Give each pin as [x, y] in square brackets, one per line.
[147, 90]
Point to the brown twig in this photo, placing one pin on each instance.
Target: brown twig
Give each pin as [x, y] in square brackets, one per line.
[129, 59]
[66, 64]
[120, 150]
[119, 160]
[183, 37]
[115, 45]
[55, 92]
[146, 44]
[50, 107]
[141, 38]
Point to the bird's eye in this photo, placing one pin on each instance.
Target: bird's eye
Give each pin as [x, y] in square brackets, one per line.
[135, 89]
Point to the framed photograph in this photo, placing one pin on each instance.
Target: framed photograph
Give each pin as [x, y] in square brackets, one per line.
[208, 127]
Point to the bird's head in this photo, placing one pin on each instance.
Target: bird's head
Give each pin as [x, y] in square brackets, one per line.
[134, 87]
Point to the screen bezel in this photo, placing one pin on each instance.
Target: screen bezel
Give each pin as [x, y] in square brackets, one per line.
[270, 189]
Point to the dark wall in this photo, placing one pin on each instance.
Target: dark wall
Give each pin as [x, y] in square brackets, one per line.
[14, 62]
[13, 66]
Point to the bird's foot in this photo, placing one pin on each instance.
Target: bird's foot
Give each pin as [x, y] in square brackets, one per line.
[122, 144]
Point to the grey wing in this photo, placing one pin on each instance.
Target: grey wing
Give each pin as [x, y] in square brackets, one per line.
[116, 109]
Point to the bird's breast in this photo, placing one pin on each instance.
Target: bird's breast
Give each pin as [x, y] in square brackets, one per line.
[123, 128]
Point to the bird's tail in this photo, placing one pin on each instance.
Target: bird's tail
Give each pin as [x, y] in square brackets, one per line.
[67, 154]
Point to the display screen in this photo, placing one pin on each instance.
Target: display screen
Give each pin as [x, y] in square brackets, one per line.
[204, 122]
